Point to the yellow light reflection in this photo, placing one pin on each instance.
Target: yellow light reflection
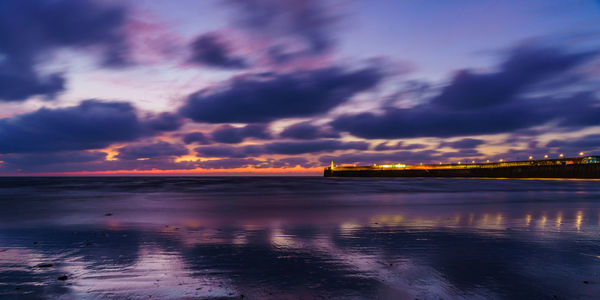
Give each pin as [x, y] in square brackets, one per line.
[348, 227]
[543, 221]
[281, 240]
[578, 220]
[527, 220]
[558, 220]
[240, 239]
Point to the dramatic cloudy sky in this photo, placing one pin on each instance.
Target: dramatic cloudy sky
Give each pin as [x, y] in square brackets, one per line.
[285, 86]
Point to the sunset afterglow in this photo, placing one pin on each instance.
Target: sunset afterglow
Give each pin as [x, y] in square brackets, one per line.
[285, 87]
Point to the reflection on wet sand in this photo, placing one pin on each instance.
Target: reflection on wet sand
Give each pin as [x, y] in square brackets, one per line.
[389, 245]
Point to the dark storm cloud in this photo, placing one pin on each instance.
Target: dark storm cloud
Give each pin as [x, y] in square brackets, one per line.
[300, 28]
[210, 50]
[288, 148]
[307, 131]
[31, 29]
[467, 143]
[92, 124]
[266, 97]
[153, 150]
[196, 137]
[486, 103]
[233, 135]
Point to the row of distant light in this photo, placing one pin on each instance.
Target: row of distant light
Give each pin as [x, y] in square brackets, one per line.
[487, 161]
[530, 157]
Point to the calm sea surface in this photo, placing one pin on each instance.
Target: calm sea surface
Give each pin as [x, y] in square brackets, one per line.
[298, 238]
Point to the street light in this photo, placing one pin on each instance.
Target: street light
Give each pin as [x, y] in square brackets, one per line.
[530, 157]
[561, 155]
[546, 156]
[580, 153]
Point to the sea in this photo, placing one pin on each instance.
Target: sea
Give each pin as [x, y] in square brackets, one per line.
[298, 238]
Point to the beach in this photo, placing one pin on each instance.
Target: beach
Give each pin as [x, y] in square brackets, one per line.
[298, 238]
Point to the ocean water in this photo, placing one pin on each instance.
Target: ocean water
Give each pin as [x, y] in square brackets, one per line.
[298, 238]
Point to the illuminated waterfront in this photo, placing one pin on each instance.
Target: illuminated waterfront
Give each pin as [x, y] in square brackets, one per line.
[583, 167]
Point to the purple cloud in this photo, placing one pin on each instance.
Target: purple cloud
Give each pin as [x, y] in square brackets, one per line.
[158, 149]
[589, 144]
[292, 162]
[32, 29]
[298, 29]
[523, 68]
[92, 124]
[229, 163]
[164, 122]
[486, 103]
[77, 161]
[398, 146]
[467, 143]
[284, 148]
[196, 137]
[369, 158]
[210, 50]
[307, 131]
[233, 135]
[291, 148]
[266, 97]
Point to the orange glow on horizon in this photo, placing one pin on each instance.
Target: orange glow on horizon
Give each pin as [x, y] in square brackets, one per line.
[190, 172]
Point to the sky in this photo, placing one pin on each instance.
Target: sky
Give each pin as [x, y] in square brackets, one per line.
[268, 87]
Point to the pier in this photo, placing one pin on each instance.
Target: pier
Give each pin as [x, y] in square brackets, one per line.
[575, 167]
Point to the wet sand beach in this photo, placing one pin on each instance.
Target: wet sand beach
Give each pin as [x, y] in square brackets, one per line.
[298, 238]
